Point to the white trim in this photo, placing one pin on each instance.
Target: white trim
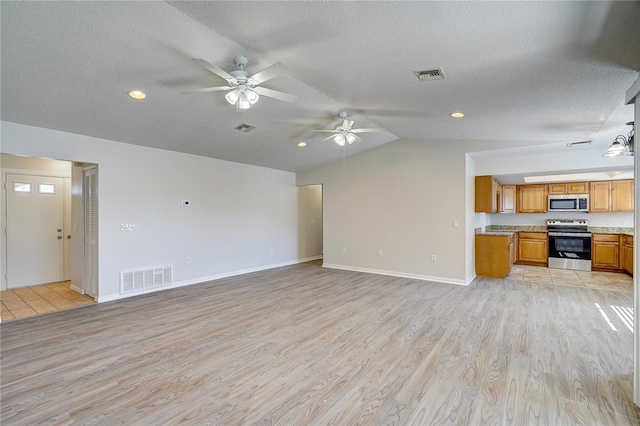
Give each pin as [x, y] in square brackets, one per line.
[471, 278]
[396, 274]
[633, 91]
[35, 173]
[201, 280]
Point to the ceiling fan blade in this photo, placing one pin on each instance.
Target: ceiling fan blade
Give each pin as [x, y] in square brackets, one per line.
[281, 96]
[324, 131]
[206, 90]
[212, 68]
[358, 138]
[327, 138]
[268, 73]
[369, 130]
[346, 124]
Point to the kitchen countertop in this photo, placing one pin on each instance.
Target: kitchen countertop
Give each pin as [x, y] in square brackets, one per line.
[511, 229]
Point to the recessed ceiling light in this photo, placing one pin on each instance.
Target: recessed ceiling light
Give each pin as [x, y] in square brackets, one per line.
[457, 114]
[302, 144]
[137, 94]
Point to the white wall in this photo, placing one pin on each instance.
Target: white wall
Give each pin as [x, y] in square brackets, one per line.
[401, 198]
[238, 213]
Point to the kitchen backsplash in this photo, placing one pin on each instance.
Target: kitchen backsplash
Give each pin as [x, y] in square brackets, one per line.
[622, 220]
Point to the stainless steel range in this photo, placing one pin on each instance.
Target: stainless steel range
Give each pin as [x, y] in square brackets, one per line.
[569, 244]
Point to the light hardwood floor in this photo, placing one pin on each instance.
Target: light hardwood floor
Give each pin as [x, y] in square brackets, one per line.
[29, 301]
[310, 345]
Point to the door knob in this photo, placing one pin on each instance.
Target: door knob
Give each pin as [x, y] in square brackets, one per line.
[59, 237]
[68, 237]
[59, 230]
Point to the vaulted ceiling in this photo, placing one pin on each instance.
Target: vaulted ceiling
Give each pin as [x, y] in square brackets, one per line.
[533, 73]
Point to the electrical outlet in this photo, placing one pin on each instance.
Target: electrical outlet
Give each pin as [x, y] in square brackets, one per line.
[626, 222]
[456, 224]
[344, 250]
[187, 260]
[379, 252]
[433, 257]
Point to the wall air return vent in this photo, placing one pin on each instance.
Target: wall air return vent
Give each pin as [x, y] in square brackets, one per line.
[580, 143]
[244, 128]
[429, 75]
[134, 280]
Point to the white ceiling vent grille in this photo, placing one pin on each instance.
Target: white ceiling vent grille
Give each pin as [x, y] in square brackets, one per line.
[134, 280]
[580, 143]
[244, 127]
[429, 75]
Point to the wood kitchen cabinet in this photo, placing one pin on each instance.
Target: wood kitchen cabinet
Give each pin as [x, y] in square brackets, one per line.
[600, 197]
[622, 195]
[494, 255]
[568, 188]
[626, 253]
[508, 199]
[532, 198]
[488, 195]
[605, 251]
[611, 196]
[533, 248]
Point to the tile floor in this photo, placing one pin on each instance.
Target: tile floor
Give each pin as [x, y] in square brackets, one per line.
[30, 301]
[600, 280]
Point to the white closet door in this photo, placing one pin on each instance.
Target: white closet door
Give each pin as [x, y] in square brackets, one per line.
[91, 232]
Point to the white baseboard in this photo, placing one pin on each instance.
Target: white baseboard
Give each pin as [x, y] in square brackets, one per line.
[397, 274]
[208, 278]
[471, 278]
[77, 289]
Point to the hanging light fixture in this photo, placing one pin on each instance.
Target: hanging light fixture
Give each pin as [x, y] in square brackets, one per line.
[622, 144]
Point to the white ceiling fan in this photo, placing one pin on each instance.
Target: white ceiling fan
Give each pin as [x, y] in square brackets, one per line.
[244, 88]
[344, 133]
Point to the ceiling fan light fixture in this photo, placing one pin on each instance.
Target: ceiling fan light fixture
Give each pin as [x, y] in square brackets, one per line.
[350, 138]
[340, 139]
[252, 97]
[232, 97]
[243, 102]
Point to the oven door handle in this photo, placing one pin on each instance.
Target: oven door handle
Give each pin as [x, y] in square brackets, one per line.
[568, 234]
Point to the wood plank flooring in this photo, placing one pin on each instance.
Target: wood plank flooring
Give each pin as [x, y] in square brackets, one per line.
[308, 345]
[29, 301]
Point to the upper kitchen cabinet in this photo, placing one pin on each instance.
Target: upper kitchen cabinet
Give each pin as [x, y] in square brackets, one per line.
[568, 188]
[508, 199]
[611, 196]
[622, 195]
[532, 198]
[600, 197]
[488, 195]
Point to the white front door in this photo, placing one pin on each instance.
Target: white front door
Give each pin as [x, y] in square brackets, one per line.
[35, 230]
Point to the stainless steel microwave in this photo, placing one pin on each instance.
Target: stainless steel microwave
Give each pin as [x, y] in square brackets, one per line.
[569, 203]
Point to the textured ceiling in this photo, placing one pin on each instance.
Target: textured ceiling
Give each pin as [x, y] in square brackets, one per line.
[541, 72]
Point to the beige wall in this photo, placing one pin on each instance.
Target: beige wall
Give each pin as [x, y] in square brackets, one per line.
[401, 198]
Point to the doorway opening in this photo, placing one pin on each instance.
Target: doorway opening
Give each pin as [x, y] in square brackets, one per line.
[49, 216]
[310, 224]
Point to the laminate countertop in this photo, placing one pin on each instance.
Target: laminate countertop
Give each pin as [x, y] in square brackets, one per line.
[511, 229]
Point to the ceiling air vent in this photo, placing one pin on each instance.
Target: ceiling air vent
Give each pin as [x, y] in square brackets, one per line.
[429, 75]
[580, 143]
[244, 127]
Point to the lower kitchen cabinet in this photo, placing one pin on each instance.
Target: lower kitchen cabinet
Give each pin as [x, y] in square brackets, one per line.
[494, 255]
[533, 248]
[626, 253]
[605, 251]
